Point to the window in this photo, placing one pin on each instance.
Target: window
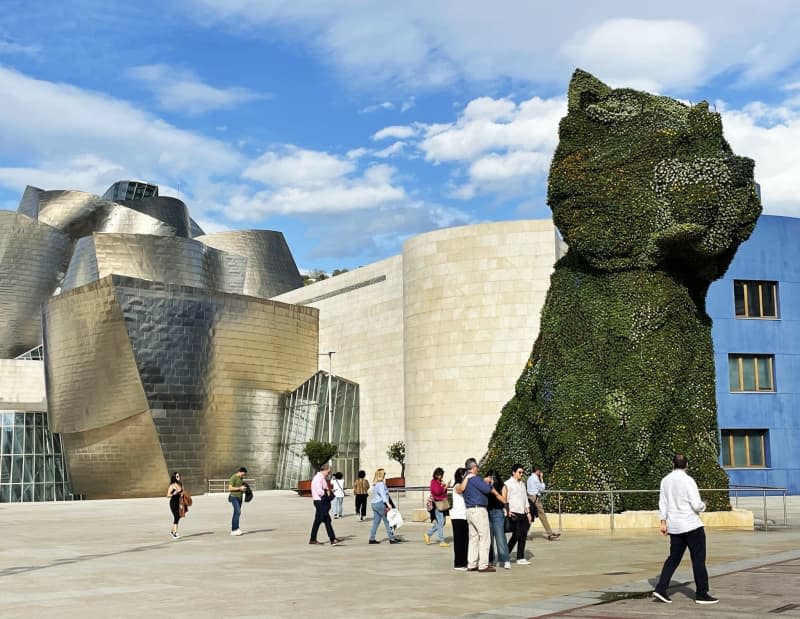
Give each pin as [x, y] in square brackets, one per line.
[754, 299]
[743, 448]
[751, 372]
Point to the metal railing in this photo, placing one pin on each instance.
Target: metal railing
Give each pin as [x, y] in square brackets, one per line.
[732, 490]
[221, 485]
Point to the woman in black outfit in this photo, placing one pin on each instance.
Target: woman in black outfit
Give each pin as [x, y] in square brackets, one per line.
[174, 493]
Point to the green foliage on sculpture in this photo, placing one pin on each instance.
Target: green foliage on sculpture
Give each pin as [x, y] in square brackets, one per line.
[653, 205]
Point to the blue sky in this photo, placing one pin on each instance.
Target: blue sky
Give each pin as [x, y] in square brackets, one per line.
[350, 126]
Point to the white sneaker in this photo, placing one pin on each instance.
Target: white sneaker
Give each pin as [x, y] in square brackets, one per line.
[523, 562]
[460, 569]
[237, 532]
[507, 565]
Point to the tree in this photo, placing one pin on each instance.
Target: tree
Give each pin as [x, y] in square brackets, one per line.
[397, 452]
[319, 452]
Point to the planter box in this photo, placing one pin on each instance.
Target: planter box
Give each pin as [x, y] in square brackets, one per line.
[395, 482]
[304, 487]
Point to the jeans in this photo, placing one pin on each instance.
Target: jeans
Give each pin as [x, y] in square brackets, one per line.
[497, 521]
[237, 510]
[322, 515]
[678, 542]
[378, 514]
[338, 509]
[438, 526]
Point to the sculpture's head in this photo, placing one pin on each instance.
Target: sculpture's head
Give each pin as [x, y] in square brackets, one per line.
[643, 181]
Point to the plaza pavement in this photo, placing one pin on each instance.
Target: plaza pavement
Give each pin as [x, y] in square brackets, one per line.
[116, 559]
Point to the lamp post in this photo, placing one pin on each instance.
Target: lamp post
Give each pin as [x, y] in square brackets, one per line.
[329, 354]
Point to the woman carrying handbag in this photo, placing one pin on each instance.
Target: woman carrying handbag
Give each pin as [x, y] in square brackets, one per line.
[439, 495]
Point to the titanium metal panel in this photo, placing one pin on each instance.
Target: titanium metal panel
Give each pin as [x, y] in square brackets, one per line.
[208, 370]
[29, 204]
[91, 376]
[169, 210]
[33, 258]
[173, 260]
[195, 229]
[79, 214]
[271, 269]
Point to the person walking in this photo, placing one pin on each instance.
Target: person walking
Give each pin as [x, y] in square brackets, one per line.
[475, 492]
[175, 493]
[322, 495]
[235, 488]
[536, 487]
[519, 512]
[440, 505]
[458, 520]
[381, 503]
[679, 504]
[496, 507]
[338, 495]
[361, 490]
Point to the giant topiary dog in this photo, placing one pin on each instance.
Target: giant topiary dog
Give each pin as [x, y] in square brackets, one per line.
[653, 205]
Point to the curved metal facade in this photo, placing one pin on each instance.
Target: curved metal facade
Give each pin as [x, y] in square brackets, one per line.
[171, 211]
[79, 214]
[161, 352]
[271, 269]
[172, 260]
[33, 258]
[176, 378]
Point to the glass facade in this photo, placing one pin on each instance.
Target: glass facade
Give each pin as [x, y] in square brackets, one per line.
[306, 417]
[32, 466]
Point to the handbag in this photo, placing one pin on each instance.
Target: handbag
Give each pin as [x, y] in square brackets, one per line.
[442, 505]
[395, 518]
[510, 524]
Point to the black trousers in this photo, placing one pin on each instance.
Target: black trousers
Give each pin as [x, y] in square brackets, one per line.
[520, 535]
[460, 542]
[678, 542]
[322, 514]
[361, 505]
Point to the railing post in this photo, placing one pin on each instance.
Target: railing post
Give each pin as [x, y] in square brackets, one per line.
[560, 528]
[785, 519]
[766, 524]
[611, 494]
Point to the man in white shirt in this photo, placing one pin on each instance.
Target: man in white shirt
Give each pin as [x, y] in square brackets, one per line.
[536, 487]
[679, 504]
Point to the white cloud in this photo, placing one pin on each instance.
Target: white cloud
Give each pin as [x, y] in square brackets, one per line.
[419, 44]
[65, 135]
[386, 105]
[495, 167]
[182, 91]
[298, 167]
[390, 151]
[399, 132]
[646, 54]
[338, 194]
[496, 124]
[775, 147]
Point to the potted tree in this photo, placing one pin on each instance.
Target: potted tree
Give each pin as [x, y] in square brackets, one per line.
[397, 452]
[318, 453]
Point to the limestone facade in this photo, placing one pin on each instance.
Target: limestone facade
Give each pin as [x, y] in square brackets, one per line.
[436, 337]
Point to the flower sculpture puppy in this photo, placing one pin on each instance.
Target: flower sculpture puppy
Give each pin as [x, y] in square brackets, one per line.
[653, 205]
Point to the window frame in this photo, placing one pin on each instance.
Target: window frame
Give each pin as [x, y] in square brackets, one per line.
[727, 436]
[739, 358]
[762, 284]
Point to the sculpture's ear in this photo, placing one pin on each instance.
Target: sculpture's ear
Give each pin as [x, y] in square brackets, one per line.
[584, 89]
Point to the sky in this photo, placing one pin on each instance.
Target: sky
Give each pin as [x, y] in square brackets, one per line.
[351, 126]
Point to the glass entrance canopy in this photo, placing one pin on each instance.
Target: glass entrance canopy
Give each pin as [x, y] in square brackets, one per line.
[320, 403]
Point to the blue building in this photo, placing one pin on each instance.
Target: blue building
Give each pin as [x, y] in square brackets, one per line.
[756, 333]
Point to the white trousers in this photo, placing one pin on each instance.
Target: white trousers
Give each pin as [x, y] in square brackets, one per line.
[479, 537]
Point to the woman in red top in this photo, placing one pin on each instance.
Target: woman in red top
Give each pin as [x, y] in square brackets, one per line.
[439, 496]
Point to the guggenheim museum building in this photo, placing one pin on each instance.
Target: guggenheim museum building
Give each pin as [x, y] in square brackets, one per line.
[132, 344]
